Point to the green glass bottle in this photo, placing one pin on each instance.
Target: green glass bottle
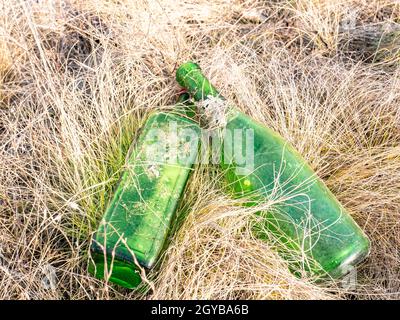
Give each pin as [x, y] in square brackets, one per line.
[137, 221]
[307, 217]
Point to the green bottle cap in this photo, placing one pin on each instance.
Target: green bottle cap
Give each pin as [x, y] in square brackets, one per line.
[124, 274]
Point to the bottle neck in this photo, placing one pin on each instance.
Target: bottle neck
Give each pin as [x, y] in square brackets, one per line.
[189, 76]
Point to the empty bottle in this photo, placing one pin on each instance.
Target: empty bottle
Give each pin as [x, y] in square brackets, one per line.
[138, 219]
[307, 217]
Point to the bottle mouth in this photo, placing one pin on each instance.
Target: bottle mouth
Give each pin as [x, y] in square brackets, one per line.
[188, 64]
[184, 70]
[120, 272]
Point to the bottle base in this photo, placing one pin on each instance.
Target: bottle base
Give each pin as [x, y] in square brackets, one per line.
[349, 263]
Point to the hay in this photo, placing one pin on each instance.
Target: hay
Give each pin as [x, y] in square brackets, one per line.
[85, 74]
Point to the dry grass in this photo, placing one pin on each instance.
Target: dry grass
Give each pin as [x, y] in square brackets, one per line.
[77, 78]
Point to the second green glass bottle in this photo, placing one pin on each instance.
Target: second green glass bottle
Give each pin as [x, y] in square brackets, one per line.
[307, 217]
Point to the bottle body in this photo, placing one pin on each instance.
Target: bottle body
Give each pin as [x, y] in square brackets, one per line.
[137, 221]
[306, 217]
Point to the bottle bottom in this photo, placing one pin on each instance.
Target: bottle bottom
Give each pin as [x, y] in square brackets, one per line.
[349, 263]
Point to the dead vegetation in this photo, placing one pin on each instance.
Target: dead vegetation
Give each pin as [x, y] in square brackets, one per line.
[77, 78]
